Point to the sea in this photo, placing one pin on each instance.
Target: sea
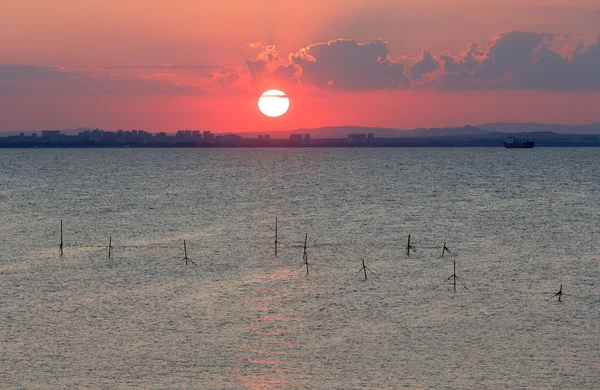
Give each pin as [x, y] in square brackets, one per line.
[520, 226]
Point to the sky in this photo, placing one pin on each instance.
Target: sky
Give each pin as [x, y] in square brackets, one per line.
[202, 64]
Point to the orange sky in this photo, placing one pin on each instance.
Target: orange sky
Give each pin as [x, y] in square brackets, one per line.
[101, 63]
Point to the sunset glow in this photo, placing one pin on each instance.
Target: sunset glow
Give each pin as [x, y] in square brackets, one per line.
[355, 62]
[299, 194]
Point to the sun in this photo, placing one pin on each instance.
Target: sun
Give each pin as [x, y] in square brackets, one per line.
[273, 103]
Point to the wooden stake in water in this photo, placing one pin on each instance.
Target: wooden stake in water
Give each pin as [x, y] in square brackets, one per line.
[409, 247]
[185, 256]
[60, 248]
[305, 254]
[559, 294]
[276, 242]
[109, 246]
[456, 277]
[364, 270]
[445, 249]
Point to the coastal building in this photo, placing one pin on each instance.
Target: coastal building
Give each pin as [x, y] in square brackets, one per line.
[228, 140]
[208, 136]
[50, 135]
[356, 138]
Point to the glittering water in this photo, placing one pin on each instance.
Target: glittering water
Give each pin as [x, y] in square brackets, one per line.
[519, 223]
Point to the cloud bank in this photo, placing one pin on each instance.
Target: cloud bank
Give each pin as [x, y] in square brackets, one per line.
[520, 61]
[513, 60]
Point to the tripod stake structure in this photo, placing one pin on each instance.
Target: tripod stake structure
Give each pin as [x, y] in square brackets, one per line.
[445, 249]
[453, 276]
[559, 294]
[185, 256]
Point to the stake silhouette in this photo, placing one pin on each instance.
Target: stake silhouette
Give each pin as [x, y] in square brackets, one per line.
[185, 257]
[456, 277]
[60, 248]
[445, 249]
[559, 294]
[409, 247]
[364, 269]
[109, 246]
[276, 242]
[305, 255]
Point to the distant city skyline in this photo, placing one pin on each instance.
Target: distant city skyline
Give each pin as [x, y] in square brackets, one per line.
[466, 136]
[380, 63]
[336, 131]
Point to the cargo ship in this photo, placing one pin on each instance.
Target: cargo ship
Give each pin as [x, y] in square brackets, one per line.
[514, 142]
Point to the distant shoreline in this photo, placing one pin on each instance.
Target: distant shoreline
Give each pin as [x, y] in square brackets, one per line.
[194, 139]
[309, 146]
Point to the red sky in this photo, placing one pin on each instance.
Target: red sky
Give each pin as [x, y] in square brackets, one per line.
[188, 64]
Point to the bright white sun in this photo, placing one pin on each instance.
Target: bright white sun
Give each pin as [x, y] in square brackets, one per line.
[273, 103]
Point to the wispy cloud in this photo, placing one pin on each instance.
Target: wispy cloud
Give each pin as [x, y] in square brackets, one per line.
[17, 79]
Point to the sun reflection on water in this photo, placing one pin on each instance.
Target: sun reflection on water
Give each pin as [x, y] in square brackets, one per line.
[271, 330]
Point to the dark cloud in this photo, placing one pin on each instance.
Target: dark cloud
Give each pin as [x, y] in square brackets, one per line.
[521, 61]
[449, 63]
[349, 65]
[510, 52]
[426, 64]
[585, 67]
[256, 68]
[287, 72]
[512, 60]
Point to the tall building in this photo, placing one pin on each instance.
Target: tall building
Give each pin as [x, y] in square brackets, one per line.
[50, 135]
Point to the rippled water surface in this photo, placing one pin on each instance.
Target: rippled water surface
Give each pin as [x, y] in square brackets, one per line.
[518, 223]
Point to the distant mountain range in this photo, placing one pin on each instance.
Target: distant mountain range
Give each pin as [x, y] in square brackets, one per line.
[532, 127]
